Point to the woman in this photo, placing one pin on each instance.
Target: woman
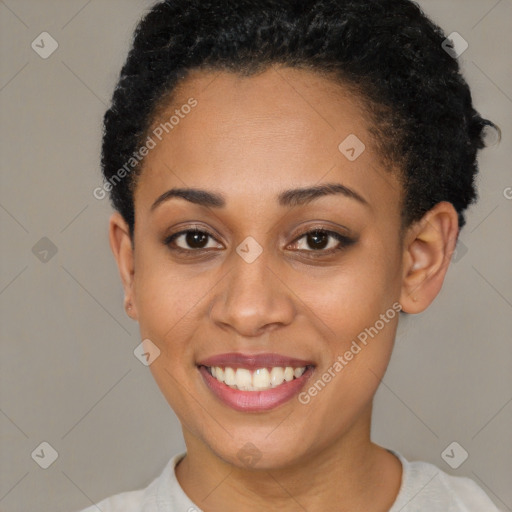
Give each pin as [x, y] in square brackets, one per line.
[287, 177]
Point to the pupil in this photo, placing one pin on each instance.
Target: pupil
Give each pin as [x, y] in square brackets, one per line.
[317, 239]
[196, 239]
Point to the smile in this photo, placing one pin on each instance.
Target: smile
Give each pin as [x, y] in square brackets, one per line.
[254, 382]
[257, 380]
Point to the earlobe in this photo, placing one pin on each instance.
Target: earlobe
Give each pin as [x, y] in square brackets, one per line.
[121, 245]
[428, 247]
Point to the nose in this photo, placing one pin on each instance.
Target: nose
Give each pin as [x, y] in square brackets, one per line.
[253, 299]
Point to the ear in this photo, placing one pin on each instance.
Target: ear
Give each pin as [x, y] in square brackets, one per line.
[428, 248]
[121, 245]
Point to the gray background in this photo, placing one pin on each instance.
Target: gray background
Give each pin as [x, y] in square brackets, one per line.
[68, 373]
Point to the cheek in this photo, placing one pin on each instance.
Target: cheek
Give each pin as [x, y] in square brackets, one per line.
[353, 365]
[168, 304]
[168, 297]
[354, 308]
[351, 297]
[357, 306]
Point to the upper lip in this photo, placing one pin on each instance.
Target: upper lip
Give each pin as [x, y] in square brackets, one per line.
[253, 361]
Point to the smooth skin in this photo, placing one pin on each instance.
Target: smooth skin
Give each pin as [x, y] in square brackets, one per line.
[249, 139]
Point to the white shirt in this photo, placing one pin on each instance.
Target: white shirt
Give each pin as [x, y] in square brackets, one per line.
[424, 488]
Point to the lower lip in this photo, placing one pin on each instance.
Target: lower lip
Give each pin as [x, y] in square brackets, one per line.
[255, 401]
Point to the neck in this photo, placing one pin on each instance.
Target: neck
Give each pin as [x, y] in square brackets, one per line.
[352, 472]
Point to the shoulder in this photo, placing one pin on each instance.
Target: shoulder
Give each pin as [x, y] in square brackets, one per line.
[163, 489]
[131, 501]
[426, 487]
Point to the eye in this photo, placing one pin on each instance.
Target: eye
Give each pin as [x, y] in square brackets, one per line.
[317, 242]
[191, 240]
[322, 241]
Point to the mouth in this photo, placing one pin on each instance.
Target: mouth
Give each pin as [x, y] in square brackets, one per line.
[254, 383]
[260, 379]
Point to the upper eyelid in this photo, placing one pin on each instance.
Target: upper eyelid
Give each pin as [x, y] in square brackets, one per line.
[176, 235]
[341, 239]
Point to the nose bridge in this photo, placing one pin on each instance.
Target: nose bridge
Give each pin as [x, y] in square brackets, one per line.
[253, 296]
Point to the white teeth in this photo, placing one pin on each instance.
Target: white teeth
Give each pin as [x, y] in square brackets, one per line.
[258, 380]
[229, 376]
[261, 379]
[219, 373]
[243, 378]
[298, 372]
[276, 376]
[288, 374]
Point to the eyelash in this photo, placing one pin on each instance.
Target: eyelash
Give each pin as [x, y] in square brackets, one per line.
[343, 240]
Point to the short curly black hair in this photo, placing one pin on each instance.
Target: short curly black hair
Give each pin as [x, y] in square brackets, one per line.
[388, 52]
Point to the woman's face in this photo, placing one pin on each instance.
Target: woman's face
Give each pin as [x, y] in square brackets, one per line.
[254, 282]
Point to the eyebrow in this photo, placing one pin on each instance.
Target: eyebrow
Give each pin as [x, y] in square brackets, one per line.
[290, 198]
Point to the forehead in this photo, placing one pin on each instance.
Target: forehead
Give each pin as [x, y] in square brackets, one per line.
[253, 136]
